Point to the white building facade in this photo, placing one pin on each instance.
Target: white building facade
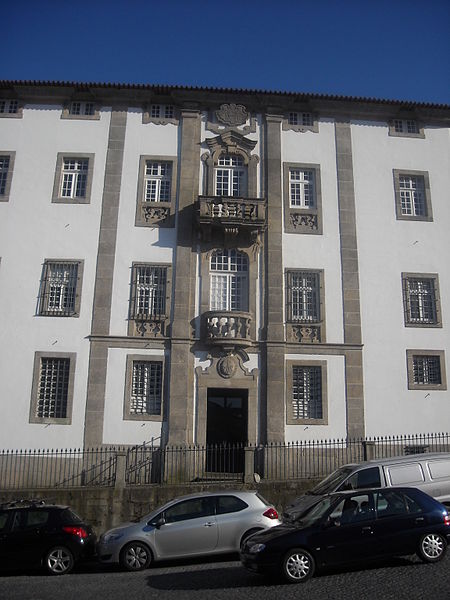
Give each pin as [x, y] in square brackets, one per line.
[207, 266]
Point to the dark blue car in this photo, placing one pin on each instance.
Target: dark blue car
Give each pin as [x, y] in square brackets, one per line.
[352, 526]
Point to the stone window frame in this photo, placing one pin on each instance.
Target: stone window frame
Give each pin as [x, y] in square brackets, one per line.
[149, 327]
[72, 356]
[56, 196]
[406, 300]
[15, 115]
[161, 214]
[287, 126]
[305, 331]
[131, 358]
[398, 203]
[11, 154]
[147, 116]
[66, 111]
[410, 370]
[302, 220]
[289, 391]
[43, 298]
[392, 132]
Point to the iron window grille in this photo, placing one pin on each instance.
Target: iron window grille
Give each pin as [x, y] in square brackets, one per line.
[157, 181]
[302, 188]
[58, 295]
[82, 108]
[229, 281]
[412, 195]
[146, 388]
[4, 169]
[231, 176]
[74, 177]
[53, 388]
[9, 107]
[148, 298]
[303, 297]
[307, 392]
[421, 300]
[304, 119]
[426, 370]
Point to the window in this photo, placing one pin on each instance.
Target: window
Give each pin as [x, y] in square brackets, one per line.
[157, 181]
[405, 128]
[304, 306]
[6, 170]
[229, 280]
[144, 388]
[229, 504]
[82, 108]
[60, 289]
[421, 300]
[301, 118]
[160, 114]
[412, 195]
[156, 191]
[306, 393]
[148, 293]
[302, 198]
[73, 179]
[52, 391]
[189, 509]
[231, 176]
[426, 369]
[10, 107]
[301, 121]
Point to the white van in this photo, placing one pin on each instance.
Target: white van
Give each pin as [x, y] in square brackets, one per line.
[428, 472]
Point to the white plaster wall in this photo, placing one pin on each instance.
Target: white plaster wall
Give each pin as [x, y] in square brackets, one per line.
[337, 413]
[318, 251]
[33, 229]
[117, 430]
[138, 244]
[387, 247]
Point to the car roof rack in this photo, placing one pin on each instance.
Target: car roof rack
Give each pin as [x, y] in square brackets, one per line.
[23, 502]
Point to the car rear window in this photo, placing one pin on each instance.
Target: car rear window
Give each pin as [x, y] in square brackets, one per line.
[229, 504]
[263, 500]
[69, 516]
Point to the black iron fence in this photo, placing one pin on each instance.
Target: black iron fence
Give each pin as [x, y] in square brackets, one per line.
[151, 463]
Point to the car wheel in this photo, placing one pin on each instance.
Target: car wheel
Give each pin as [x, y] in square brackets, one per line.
[247, 534]
[59, 560]
[135, 556]
[298, 565]
[432, 547]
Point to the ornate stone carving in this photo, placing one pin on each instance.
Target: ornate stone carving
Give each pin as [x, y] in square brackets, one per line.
[301, 220]
[154, 214]
[232, 114]
[149, 328]
[227, 366]
[306, 334]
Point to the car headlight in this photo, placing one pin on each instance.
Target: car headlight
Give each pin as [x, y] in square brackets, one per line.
[111, 537]
[256, 548]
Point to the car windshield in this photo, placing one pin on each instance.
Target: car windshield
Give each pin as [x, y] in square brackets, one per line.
[315, 514]
[330, 483]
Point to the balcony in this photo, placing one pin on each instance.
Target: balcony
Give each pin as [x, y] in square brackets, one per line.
[231, 214]
[228, 329]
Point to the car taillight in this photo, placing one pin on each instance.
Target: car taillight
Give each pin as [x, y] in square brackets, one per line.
[79, 531]
[447, 520]
[270, 513]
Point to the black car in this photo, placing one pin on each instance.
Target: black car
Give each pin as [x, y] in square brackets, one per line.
[35, 534]
[346, 527]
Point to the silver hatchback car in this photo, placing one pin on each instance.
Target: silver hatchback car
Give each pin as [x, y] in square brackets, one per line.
[194, 525]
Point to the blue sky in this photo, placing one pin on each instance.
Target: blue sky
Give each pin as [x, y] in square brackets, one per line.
[394, 49]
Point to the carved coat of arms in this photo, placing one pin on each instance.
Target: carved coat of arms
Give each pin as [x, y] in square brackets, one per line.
[232, 114]
[227, 366]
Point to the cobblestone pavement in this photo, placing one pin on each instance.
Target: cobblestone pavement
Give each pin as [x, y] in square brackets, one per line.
[396, 579]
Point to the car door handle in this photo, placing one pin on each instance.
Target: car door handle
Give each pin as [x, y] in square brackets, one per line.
[209, 524]
[420, 520]
[367, 529]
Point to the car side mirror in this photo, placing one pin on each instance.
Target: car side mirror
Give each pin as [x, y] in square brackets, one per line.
[157, 522]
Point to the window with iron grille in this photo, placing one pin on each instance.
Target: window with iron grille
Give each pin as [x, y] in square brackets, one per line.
[4, 170]
[82, 108]
[74, 177]
[60, 289]
[148, 294]
[421, 297]
[426, 369]
[229, 280]
[53, 388]
[231, 176]
[157, 181]
[301, 188]
[9, 107]
[307, 392]
[303, 296]
[146, 388]
[412, 195]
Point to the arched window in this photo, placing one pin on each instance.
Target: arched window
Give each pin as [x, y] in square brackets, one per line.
[229, 280]
[231, 176]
